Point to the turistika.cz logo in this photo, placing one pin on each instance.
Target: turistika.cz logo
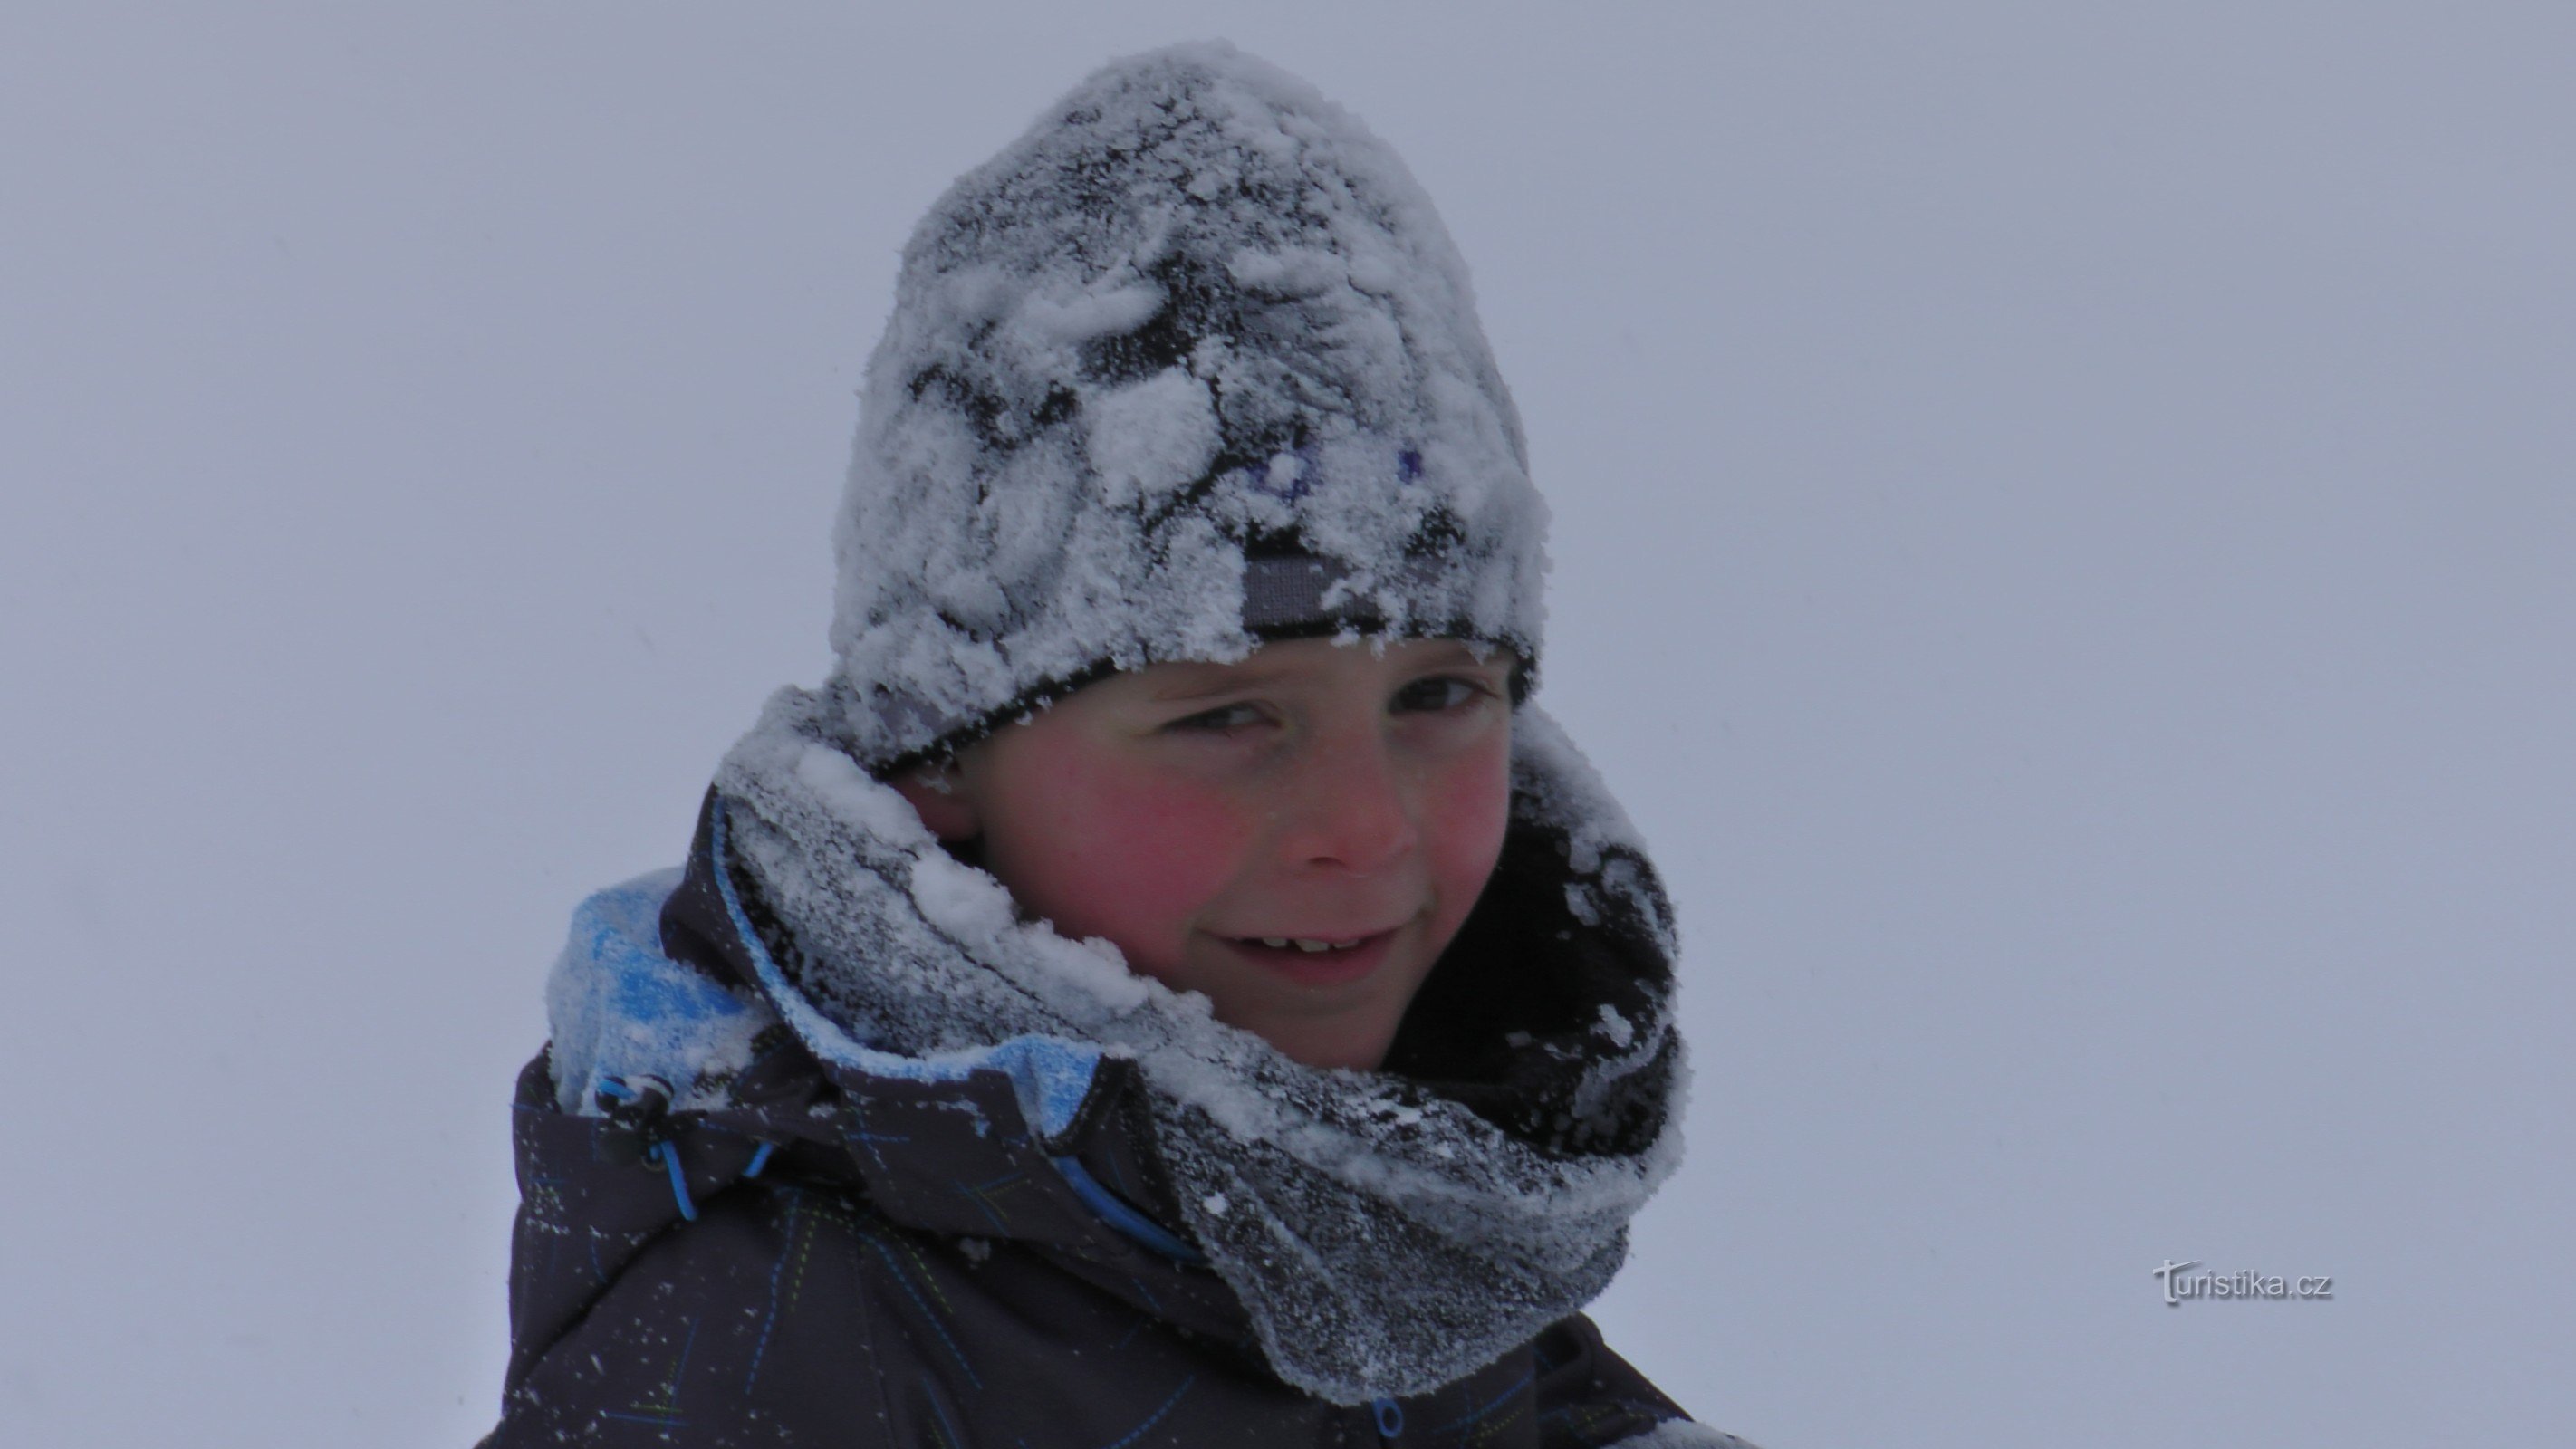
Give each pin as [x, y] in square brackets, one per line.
[2181, 1283]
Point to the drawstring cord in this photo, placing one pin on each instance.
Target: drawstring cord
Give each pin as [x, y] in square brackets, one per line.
[638, 1104]
[668, 1153]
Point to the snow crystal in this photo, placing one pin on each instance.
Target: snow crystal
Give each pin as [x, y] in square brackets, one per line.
[883, 812]
[1089, 965]
[967, 903]
[1614, 1026]
[1151, 438]
[1089, 314]
[1578, 901]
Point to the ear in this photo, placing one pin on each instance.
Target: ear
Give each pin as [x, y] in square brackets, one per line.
[937, 791]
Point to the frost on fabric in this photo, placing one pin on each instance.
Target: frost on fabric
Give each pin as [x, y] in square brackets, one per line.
[975, 911]
[1682, 1434]
[1197, 313]
[1383, 1240]
[1556, 785]
[1151, 438]
[617, 1007]
[1615, 1027]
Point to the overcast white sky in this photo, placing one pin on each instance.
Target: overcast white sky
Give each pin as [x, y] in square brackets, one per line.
[2066, 543]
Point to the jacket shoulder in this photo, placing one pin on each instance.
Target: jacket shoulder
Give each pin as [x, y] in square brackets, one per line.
[1588, 1396]
[754, 1324]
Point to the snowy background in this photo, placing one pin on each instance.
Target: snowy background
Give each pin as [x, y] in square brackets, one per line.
[2066, 542]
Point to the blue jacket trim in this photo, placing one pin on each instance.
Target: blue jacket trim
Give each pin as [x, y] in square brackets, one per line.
[1115, 1211]
[1050, 1075]
[617, 1007]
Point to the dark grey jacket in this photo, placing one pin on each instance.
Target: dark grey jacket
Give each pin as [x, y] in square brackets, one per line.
[835, 1258]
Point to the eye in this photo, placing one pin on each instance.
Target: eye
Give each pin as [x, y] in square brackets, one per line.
[1439, 694]
[1224, 719]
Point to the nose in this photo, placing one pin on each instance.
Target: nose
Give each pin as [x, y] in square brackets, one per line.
[1350, 807]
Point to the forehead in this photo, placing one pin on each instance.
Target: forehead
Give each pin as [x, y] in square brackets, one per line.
[1308, 663]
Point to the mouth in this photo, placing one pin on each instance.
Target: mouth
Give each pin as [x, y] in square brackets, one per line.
[1308, 944]
[1316, 960]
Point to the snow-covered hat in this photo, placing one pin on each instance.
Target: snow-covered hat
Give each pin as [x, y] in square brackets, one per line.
[1190, 365]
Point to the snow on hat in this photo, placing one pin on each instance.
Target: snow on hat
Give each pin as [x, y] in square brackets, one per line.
[1190, 365]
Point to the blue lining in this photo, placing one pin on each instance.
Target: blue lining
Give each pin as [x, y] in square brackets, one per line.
[616, 1005]
[1052, 1076]
[1116, 1211]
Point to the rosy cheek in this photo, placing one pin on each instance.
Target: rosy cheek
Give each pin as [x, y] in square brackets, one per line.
[1464, 817]
[1113, 848]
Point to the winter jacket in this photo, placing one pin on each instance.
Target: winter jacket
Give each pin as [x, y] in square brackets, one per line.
[774, 1241]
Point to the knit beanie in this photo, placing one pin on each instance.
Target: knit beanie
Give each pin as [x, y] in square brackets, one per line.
[1190, 366]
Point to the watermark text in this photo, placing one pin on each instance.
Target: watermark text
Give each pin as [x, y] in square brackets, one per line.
[2183, 1285]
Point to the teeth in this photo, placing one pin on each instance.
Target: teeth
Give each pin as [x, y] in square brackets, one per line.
[1305, 945]
[1275, 943]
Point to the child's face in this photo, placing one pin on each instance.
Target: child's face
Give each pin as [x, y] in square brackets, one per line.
[1313, 793]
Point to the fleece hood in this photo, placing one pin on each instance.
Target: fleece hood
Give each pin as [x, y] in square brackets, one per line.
[1191, 364]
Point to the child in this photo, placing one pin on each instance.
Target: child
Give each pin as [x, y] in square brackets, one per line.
[1167, 987]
